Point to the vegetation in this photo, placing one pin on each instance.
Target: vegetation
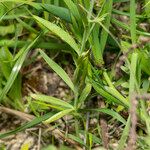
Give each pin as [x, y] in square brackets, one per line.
[107, 44]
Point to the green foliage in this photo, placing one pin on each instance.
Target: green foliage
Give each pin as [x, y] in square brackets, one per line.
[88, 31]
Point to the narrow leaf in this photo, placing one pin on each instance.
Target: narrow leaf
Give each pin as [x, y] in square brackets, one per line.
[58, 115]
[52, 100]
[111, 113]
[27, 125]
[58, 70]
[65, 36]
[16, 69]
[124, 135]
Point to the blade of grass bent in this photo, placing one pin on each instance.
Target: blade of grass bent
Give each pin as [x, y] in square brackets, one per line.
[58, 70]
[65, 36]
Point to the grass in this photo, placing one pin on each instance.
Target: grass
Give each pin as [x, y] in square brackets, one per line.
[86, 31]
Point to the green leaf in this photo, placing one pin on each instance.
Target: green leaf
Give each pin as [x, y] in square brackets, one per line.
[125, 26]
[52, 100]
[58, 70]
[65, 36]
[61, 12]
[133, 20]
[17, 68]
[117, 94]
[27, 125]
[5, 59]
[26, 25]
[111, 113]
[145, 62]
[58, 115]
[4, 30]
[124, 135]
[133, 74]
[104, 33]
[75, 138]
[43, 45]
[84, 93]
[106, 94]
[73, 9]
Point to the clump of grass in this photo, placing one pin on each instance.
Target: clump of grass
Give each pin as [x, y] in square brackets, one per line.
[85, 30]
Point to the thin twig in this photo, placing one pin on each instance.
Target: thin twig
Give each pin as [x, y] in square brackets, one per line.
[39, 139]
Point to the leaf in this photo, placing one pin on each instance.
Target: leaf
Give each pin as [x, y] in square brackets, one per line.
[61, 12]
[26, 25]
[133, 21]
[133, 74]
[145, 62]
[44, 45]
[124, 135]
[17, 68]
[104, 33]
[117, 94]
[4, 30]
[5, 59]
[65, 36]
[84, 93]
[27, 125]
[110, 112]
[58, 115]
[58, 70]
[52, 100]
[77, 139]
[106, 95]
[73, 9]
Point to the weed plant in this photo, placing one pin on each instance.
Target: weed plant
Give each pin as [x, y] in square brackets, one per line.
[86, 31]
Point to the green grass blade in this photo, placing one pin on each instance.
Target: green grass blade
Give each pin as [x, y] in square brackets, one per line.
[25, 126]
[5, 59]
[124, 135]
[104, 33]
[65, 36]
[84, 94]
[117, 94]
[16, 69]
[28, 27]
[96, 50]
[111, 113]
[133, 74]
[61, 12]
[4, 30]
[73, 9]
[58, 115]
[58, 70]
[106, 95]
[52, 100]
[75, 138]
[125, 26]
[133, 20]
[44, 45]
